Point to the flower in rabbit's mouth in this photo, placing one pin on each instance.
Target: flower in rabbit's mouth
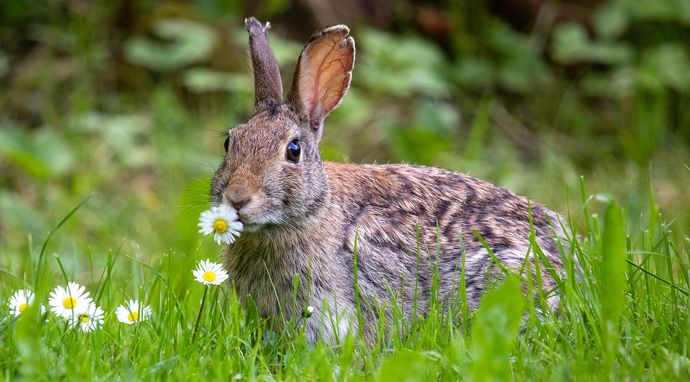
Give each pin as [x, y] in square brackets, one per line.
[88, 319]
[133, 312]
[221, 221]
[69, 302]
[20, 301]
[210, 273]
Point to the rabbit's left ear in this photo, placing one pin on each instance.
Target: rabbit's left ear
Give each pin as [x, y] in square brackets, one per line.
[323, 73]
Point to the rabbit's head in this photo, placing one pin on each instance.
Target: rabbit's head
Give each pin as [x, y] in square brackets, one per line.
[272, 173]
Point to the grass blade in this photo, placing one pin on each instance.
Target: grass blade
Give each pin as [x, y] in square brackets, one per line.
[612, 283]
[495, 331]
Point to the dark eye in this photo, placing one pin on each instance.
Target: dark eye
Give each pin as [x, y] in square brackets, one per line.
[227, 143]
[293, 151]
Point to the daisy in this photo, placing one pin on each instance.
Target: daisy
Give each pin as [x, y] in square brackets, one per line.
[20, 301]
[132, 312]
[308, 311]
[69, 302]
[221, 221]
[210, 273]
[88, 319]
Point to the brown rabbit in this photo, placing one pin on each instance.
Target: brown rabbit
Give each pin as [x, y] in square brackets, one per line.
[306, 218]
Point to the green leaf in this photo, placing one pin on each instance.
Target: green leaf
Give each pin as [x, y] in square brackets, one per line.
[495, 331]
[571, 45]
[475, 73]
[405, 366]
[660, 10]
[125, 135]
[189, 42]
[613, 265]
[665, 66]
[208, 80]
[41, 155]
[611, 19]
[402, 65]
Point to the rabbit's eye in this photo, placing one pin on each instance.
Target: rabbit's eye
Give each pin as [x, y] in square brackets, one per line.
[227, 143]
[293, 151]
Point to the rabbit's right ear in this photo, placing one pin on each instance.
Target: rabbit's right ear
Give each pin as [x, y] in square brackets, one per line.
[267, 84]
[323, 74]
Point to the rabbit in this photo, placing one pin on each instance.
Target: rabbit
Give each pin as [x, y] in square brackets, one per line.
[305, 219]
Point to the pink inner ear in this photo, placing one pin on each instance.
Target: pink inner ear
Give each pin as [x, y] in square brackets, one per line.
[325, 69]
[324, 65]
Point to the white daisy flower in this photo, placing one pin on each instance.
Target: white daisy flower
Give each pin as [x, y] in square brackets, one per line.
[308, 311]
[210, 273]
[69, 302]
[132, 312]
[88, 319]
[20, 301]
[221, 221]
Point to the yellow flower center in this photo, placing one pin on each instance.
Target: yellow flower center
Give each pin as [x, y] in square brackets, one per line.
[23, 307]
[69, 302]
[133, 316]
[220, 226]
[84, 318]
[209, 276]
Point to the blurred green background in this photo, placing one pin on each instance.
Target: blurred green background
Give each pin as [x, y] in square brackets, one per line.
[128, 100]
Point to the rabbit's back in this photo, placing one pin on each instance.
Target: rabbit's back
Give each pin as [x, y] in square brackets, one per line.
[412, 221]
[446, 206]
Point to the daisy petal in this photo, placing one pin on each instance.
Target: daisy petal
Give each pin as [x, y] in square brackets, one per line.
[221, 221]
[210, 273]
[20, 301]
[68, 302]
[133, 312]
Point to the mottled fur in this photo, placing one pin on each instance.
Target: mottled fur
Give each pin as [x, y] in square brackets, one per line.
[302, 219]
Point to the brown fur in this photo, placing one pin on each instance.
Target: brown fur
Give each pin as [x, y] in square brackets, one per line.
[302, 219]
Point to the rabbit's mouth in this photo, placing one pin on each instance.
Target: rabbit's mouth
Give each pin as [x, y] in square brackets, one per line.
[254, 223]
[264, 221]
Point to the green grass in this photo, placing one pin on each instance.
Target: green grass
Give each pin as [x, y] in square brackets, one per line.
[624, 314]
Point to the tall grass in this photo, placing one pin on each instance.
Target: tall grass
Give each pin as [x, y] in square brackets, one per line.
[623, 315]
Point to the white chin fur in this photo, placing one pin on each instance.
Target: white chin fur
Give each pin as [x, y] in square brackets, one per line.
[255, 224]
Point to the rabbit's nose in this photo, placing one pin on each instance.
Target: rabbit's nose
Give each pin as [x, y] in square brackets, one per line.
[239, 204]
[237, 197]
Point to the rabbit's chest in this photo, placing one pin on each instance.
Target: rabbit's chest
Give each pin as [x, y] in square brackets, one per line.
[279, 274]
[261, 272]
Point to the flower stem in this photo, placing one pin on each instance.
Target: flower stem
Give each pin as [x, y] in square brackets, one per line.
[198, 317]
